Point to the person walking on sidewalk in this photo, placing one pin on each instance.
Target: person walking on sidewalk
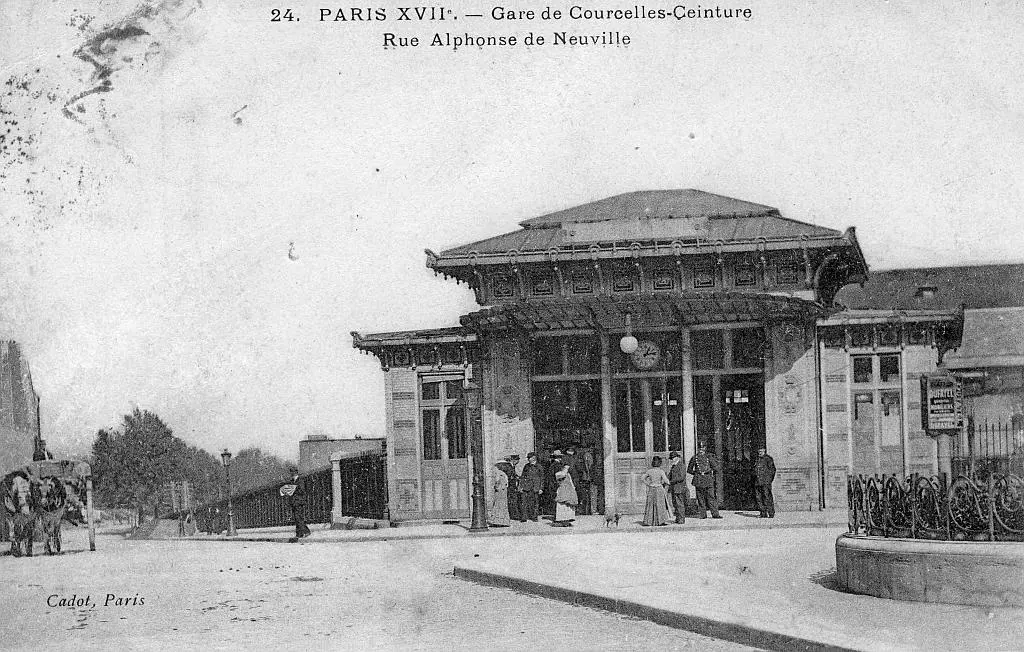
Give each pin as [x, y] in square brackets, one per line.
[531, 484]
[764, 475]
[295, 493]
[703, 467]
[565, 498]
[656, 510]
[677, 485]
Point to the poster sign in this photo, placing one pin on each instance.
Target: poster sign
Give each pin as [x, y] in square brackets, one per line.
[942, 399]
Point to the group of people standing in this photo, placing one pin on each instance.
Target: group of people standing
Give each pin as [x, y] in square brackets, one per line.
[561, 489]
[703, 467]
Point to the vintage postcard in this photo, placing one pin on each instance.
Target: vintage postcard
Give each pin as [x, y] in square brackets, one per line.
[493, 326]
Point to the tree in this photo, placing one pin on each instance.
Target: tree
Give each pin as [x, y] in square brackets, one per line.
[251, 468]
[133, 463]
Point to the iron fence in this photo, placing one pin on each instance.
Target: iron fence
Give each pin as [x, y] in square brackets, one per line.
[364, 486]
[364, 493]
[987, 507]
[989, 446]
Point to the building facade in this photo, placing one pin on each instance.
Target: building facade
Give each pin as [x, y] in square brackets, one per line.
[20, 437]
[657, 321]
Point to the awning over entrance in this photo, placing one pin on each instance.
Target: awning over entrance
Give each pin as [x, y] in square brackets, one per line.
[992, 338]
[648, 311]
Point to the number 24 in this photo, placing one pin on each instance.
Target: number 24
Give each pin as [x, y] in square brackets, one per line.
[276, 15]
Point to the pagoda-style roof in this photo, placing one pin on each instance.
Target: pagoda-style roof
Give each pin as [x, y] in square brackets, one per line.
[666, 310]
[645, 223]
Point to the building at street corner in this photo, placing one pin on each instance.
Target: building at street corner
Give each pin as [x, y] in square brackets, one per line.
[751, 330]
[20, 438]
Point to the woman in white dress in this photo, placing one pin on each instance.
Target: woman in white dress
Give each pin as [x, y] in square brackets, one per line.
[565, 498]
[498, 515]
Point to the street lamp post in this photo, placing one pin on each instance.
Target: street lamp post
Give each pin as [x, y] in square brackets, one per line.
[226, 459]
[476, 449]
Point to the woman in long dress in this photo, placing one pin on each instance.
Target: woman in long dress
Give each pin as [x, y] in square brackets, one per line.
[656, 512]
[498, 515]
[565, 498]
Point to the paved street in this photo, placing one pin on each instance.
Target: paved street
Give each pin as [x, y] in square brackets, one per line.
[400, 593]
[379, 595]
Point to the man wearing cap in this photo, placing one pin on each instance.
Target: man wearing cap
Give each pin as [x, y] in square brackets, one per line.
[531, 484]
[703, 467]
[677, 486]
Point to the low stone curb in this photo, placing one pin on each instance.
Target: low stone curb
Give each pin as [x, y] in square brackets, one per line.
[397, 534]
[720, 629]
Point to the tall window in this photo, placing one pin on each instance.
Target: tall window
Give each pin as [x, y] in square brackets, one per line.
[443, 418]
[877, 405]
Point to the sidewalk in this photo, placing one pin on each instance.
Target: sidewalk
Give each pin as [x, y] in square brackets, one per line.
[321, 533]
[773, 589]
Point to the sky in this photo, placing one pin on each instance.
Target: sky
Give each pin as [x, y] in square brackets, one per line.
[203, 204]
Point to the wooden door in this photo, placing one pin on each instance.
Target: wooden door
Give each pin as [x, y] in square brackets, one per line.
[444, 429]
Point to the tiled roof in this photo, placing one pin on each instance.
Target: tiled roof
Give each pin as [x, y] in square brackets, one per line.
[645, 216]
[992, 338]
[405, 338]
[652, 204]
[938, 288]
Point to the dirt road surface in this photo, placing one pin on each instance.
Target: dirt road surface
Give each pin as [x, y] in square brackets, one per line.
[159, 595]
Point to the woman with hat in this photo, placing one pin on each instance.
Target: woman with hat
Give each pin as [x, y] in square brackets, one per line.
[656, 512]
[565, 498]
[498, 515]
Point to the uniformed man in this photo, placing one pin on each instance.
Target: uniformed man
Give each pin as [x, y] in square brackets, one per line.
[703, 467]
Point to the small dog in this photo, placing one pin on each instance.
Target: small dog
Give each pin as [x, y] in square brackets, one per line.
[612, 518]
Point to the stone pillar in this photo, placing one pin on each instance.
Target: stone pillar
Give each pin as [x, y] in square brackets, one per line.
[689, 425]
[610, 439]
[337, 509]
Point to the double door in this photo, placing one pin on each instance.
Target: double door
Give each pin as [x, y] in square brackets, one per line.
[729, 420]
[649, 421]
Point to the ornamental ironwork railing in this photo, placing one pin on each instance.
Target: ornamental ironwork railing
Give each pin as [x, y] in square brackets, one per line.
[977, 508]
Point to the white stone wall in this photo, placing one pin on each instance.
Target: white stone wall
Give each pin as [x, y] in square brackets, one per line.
[791, 417]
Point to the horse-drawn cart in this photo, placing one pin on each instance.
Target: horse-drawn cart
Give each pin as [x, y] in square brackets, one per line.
[39, 496]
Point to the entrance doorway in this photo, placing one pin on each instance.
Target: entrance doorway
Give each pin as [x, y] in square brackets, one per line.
[445, 464]
[648, 422]
[568, 413]
[729, 419]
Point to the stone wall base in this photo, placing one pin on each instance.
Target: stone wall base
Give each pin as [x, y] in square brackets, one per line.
[980, 573]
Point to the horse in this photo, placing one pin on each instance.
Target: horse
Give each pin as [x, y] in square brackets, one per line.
[19, 496]
[50, 509]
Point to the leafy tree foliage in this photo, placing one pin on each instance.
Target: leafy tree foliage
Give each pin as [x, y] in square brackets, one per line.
[252, 469]
[133, 463]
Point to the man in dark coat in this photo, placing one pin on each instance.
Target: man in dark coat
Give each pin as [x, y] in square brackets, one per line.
[294, 492]
[677, 486]
[580, 478]
[508, 466]
[764, 475]
[531, 484]
[703, 467]
[551, 482]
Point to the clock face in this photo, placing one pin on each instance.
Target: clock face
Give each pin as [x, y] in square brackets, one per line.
[646, 355]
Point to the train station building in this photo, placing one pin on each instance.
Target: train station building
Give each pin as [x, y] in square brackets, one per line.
[654, 321]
